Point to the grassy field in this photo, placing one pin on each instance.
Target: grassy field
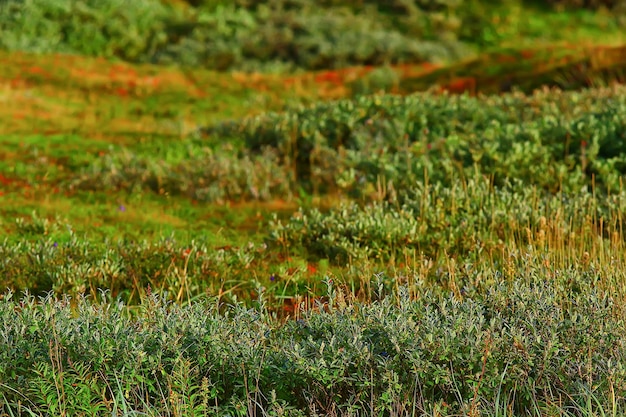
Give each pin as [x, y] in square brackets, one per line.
[403, 239]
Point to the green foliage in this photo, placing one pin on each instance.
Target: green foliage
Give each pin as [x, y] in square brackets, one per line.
[445, 349]
[127, 30]
[171, 358]
[253, 35]
[75, 391]
[472, 221]
[126, 268]
[464, 219]
[204, 175]
[383, 78]
[556, 140]
[483, 235]
[215, 36]
[534, 343]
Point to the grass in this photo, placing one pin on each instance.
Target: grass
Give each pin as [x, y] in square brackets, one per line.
[528, 26]
[444, 255]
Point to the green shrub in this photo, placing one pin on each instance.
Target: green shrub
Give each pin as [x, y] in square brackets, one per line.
[378, 148]
[253, 35]
[527, 342]
[556, 140]
[88, 27]
[242, 35]
[126, 268]
[206, 175]
[463, 219]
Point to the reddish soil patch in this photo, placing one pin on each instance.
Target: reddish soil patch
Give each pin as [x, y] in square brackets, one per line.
[6, 183]
[460, 86]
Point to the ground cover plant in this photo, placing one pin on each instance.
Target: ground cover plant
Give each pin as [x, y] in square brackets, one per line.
[351, 241]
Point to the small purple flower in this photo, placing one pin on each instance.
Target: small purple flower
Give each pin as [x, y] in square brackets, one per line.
[55, 244]
[272, 278]
[122, 208]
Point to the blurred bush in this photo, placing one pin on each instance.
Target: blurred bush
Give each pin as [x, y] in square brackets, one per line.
[247, 34]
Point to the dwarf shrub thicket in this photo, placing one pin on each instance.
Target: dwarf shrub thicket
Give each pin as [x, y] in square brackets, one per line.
[221, 37]
[253, 35]
[556, 140]
[379, 147]
[528, 343]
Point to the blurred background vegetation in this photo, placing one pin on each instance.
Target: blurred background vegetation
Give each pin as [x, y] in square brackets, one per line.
[281, 35]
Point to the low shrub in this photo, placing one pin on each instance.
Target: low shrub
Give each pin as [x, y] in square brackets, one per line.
[206, 175]
[126, 269]
[556, 140]
[526, 343]
[464, 219]
[220, 36]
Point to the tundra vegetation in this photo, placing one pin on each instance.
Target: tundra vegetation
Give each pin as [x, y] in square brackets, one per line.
[312, 208]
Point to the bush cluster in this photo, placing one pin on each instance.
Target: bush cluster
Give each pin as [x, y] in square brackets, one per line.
[380, 147]
[472, 222]
[555, 140]
[206, 175]
[248, 37]
[126, 268]
[520, 347]
[464, 219]
[253, 35]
